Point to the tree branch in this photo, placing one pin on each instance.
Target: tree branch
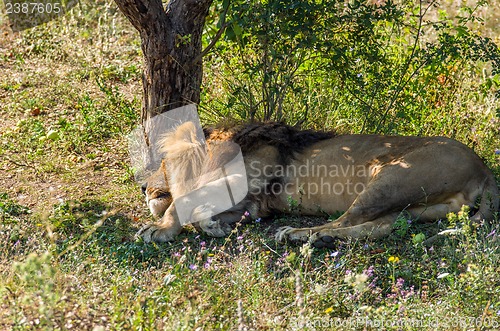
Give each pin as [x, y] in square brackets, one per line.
[212, 44]
[216, 37]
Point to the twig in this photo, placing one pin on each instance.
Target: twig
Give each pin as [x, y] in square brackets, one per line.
[402, 84]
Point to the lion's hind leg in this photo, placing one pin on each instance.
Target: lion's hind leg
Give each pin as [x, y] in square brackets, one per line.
[378, 228]
[326, 235]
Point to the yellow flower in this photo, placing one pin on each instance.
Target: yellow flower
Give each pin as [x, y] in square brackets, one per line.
[393, 259]
[328, 310]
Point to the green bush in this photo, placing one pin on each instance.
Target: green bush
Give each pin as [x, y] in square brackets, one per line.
[366, 67]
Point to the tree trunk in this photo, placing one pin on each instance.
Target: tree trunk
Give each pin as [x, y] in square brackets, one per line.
[171, 45]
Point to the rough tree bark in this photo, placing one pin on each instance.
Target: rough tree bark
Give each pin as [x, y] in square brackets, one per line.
[171, 44]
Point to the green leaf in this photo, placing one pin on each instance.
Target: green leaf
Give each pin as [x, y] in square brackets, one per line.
[237, 30]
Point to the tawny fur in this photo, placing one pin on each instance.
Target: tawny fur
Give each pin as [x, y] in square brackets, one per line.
[427, 177]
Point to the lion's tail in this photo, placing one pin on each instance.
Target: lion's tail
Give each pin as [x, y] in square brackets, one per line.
[489, 201]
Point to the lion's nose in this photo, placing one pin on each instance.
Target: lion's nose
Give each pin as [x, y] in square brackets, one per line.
[144, 187]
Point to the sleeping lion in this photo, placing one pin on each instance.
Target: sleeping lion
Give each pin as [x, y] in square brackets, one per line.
[372, 179]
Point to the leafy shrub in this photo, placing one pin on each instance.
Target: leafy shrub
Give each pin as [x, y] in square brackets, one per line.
[373, 67]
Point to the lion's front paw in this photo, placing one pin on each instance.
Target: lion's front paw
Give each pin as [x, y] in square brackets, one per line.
[154, 233]
[287, 233]
[215, 228]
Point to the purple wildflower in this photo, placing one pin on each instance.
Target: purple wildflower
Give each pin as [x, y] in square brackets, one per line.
[369, 271]
[373, 284]
[398, 291]
[208, 263]
[407, 294]
[399, 283]
[193, 267]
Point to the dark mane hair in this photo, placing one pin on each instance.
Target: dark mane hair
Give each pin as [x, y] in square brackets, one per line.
[288, 140]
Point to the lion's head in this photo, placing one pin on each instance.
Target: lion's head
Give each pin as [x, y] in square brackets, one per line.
[157, 192]
[186, 158]
[183, 157]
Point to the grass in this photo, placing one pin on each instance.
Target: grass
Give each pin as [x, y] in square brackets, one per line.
[69, 94]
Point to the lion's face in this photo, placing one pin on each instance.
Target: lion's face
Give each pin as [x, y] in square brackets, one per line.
[157, 193]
